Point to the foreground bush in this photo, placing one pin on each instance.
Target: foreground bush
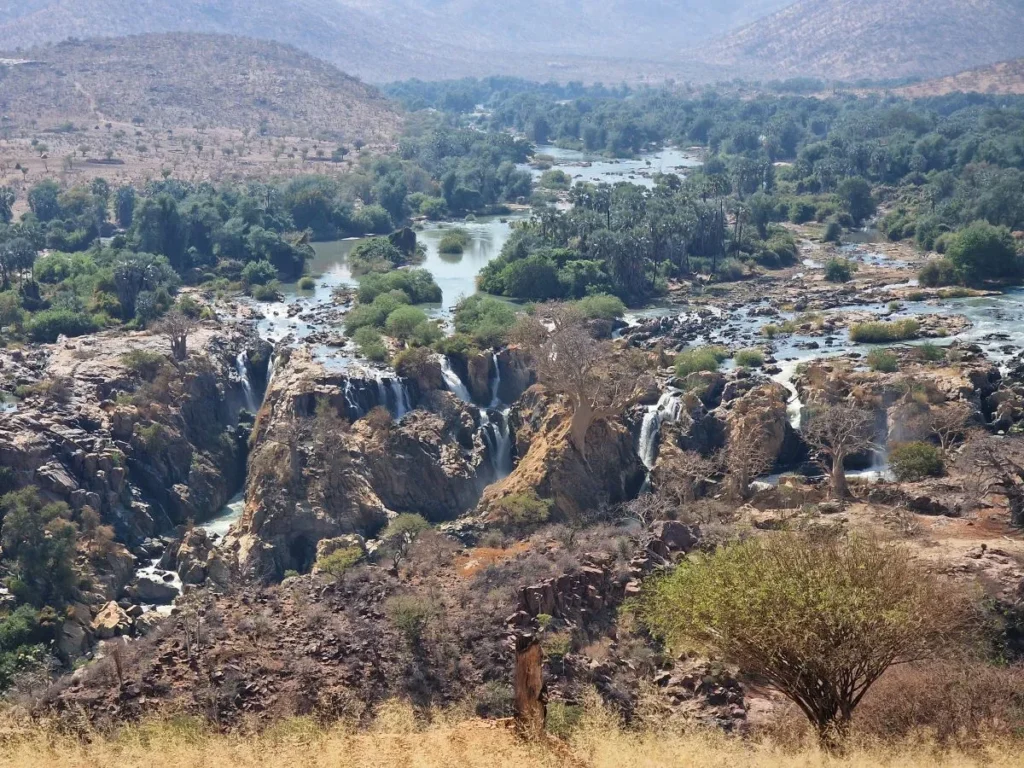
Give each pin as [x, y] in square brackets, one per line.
[916, 461]
[820, 618]
[47, 326]
[839, 271]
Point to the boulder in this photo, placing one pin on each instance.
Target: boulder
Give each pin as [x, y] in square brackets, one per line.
[152, 589]
[677, 536]
[72, 640]
[111, 621]
[328, 547]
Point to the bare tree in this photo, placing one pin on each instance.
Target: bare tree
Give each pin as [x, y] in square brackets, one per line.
[837, 432]
[949, 423]
[680, 476]
[747, 458]
[599, 380]
[177, 326]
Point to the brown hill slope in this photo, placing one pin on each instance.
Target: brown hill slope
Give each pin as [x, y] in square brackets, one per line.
[877, 39]
[179, 80]
[1006, 77]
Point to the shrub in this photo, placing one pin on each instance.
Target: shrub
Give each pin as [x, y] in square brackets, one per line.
[417, 284]
[522, 511]
[485, 319]
[307, 283]
[434, 208]
[984, 252]
[601, 306]
[409, 614]
[750, 358]
[371, 344]
[48, 325]
[881, 332]
[266, 292]
[555, 179]
[883, 361]
[339, 561]
[258, 273]
[915, 461]
[378, 254]
[700, 359]
[403, 322]
[419, 364]
[839, 270]
[930, 352]
[833, 232]
[454, 241]
[938, 273]
[730, 271]
[143, 363]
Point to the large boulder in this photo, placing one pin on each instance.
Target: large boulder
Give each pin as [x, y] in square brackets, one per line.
[154, 590]
[111, 621]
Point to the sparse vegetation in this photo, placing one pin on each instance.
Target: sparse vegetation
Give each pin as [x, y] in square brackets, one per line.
[700, 359]
[884, 332]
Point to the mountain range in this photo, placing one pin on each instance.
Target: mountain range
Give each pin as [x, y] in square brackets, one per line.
[381, 40]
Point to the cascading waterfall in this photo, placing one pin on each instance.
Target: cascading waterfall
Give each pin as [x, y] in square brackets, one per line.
[453, 382]
[401, 395]
[496, 434]
[350, 399]
[496, 383]
[271, 370]
[668, 410]
[242, 366]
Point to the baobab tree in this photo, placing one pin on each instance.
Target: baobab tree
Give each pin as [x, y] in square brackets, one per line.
[837, 432]
[177, 326]
[599, 381]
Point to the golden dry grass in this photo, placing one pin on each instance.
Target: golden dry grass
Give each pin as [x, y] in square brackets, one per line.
[398, 740]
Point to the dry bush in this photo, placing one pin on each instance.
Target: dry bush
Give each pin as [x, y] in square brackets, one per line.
[962, 704]
[380, 420]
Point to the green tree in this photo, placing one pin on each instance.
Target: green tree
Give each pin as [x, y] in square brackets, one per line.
[159, 229]
[401, 534]
[7, 200]
[39, 542]
[43, 200]
[124, 206]
[983, 252]
[855, 194]
[819, 617]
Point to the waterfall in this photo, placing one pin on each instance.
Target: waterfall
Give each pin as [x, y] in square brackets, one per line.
[498, 438]
[668, 409]
[453, 382]
[242, 366]
[496, 384]
[401, 395]
[352, 402]
[271, 369]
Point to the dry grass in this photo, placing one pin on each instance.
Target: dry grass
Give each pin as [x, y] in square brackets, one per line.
[399, 739]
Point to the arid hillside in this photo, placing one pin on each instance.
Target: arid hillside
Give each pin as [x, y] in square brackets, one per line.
[877, 39]
[1006, 77]
[177, 81]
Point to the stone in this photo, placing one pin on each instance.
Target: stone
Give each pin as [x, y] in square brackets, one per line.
[72, 639]
[677, 536]
[152, 589]
[111, 621]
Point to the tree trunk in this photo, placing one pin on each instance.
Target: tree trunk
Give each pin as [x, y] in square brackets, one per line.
[840, 488]
[530, 692]
[582, 418]
[833, 733]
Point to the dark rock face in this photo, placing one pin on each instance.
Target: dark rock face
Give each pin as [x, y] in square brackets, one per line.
[404, 240]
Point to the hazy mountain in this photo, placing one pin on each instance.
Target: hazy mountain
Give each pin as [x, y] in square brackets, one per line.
[184, 80]
[386, 39]
[877, 38]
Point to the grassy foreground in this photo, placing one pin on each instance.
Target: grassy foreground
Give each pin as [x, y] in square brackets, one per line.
[398, 740]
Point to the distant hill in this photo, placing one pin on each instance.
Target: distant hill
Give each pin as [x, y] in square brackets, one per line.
[381, 40]
[1006, 77]
[876, 39]
[181, 80]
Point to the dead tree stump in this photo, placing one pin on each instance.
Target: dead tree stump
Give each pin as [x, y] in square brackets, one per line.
[530, 691]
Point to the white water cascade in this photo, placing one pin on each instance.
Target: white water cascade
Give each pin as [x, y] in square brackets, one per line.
[496, 434]
[271, 370]
[453, 382]
[668, 410]
[401, 395]
[242, 366]
[496, 384]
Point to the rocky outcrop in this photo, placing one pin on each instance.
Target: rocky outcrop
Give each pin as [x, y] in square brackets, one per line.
[329, 478]
[553, 470]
